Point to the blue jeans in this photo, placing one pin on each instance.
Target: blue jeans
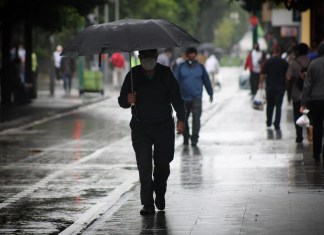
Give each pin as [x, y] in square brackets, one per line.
[194, 107]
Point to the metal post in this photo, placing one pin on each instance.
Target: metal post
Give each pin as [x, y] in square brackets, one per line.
[116, 9]
[105, 64]
[106, 12]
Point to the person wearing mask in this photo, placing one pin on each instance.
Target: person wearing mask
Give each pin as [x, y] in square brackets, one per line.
[192, 77]
[313, 97]
[295, 66]
[254, 62]
[274, 74]
[151, 96]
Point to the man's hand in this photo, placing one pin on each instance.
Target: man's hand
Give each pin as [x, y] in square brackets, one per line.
[302, 108]
[131, 98]
[211, 99]
[260, 86]
[180, 127]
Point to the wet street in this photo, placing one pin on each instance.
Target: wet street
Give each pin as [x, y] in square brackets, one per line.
[76, 174]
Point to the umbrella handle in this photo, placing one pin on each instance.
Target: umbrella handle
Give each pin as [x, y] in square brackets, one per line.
[130, 66]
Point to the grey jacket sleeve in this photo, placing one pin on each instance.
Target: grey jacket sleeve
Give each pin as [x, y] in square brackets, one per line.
[307, 86]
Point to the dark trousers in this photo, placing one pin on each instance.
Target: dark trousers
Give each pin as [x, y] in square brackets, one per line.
[297, 114]
[274, 100]
[254, 82]
[161, 137]
[194, 107]
[67, 83]
[317, 109]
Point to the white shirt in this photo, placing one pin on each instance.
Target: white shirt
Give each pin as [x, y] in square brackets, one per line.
[256, 61]
[212, 65]
[57, 59]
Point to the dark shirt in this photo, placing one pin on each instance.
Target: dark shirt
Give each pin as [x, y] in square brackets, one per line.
[154, 96]
[275, 71]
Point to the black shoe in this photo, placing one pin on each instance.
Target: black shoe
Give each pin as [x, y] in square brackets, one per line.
[160, 202]
[186, 142]
[148, 210]
[299, 140]
[317, 158]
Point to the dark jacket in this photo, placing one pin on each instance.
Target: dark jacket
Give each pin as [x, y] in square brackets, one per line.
[67, 66]
[154, 96]
[275, 71]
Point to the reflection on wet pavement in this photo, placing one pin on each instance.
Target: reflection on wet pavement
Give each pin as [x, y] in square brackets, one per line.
[241, 179]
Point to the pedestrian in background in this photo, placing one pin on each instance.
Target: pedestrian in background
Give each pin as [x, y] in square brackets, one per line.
[274, 74]
[192, 77]
[295, 66]
[118, 61]
[313, 92]
[254, 62]
[22, 57]
[67, 69]
[57, 62]
[155, 92]
[164, 58]
[212, 68]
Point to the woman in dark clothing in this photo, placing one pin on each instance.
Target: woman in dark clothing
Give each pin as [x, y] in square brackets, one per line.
[313, 95]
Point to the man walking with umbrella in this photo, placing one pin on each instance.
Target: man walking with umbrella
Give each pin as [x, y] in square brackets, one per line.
[150, 89]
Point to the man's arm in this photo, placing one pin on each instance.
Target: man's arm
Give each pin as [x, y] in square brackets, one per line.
[306, 88]
[124, 91]
[207, 83]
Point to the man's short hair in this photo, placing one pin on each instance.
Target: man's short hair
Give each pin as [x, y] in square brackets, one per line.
[149, 51]
[303, 49]
[191, 50]
[276, 50]
[321, 49]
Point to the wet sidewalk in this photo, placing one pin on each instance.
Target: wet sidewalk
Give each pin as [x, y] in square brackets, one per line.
[77, 174]
[241, 179]
[46, 105]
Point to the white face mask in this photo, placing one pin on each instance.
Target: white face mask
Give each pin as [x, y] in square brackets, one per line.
[148, 63]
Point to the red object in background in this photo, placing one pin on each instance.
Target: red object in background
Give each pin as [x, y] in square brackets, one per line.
[118, 60]
[254, 21]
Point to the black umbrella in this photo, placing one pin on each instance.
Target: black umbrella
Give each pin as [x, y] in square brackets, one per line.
[128, 35]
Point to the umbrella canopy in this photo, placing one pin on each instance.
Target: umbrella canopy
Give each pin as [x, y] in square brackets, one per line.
[128, 35]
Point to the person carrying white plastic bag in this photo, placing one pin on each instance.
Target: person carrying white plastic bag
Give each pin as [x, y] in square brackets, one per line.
[303, 121]
[258, 100]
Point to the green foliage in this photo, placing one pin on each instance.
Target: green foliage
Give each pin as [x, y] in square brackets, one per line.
[230, 31]
[181, 12]
[210, 15]
[224, 34]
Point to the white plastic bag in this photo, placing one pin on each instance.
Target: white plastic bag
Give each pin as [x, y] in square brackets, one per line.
[258, 100]
[303, 121]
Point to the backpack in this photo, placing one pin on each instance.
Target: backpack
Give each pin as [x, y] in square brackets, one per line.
[302, 75]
